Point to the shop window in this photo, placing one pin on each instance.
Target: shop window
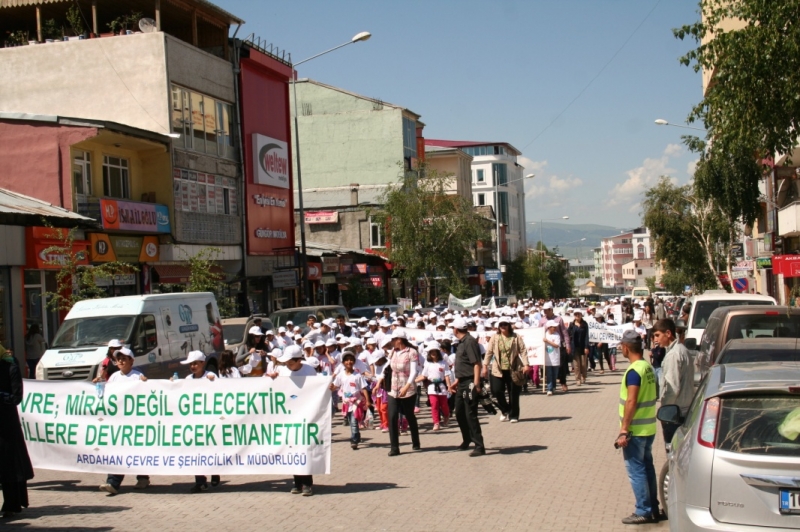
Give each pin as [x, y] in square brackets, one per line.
[116, 179]
[82, 173]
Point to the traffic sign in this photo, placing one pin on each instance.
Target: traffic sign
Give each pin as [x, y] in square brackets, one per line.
[740, 285]
[493, 275]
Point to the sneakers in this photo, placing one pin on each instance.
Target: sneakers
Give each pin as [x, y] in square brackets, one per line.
[142, 483]
[109, 489]
[384, 430]
[515, 420]
[199, 488]
[477, 452]
[635, 519]
[307, 491]
[296, 491]
[502, 417]
[549, 393]
[436, 427]
[354, 446]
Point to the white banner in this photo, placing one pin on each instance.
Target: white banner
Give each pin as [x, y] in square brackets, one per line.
[473, 303]
[255, 426]
[607, 334]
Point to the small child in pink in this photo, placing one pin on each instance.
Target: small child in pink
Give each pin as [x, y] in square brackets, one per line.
[436, 373]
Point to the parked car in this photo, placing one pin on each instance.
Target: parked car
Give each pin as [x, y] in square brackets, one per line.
[746, 321]
[704, 304]
[734, 459]
[759, 350]
[369, 312]
[299, 315]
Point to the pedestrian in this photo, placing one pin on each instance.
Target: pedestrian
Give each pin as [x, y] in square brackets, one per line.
[197, 370]
[292, 365]
[15, 464]
[124, 363]
[404, 365]
[552, 362]
[578, 334]
[437, 374]
[566, 349]
[677, 370]
[34, 348]
[506, 352]
[380, 396]
[352, 388]
[467, 388]
[109, 364]
[227, 366]
[637, 429]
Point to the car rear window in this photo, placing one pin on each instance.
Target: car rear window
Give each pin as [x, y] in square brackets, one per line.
[760, 424]
[703, 309]
[755, 354]
[233, 333]
[780, 325]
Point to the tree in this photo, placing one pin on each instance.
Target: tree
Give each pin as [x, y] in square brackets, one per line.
[203, 278]
[429, 233]
[686, 230]
[526, 272]
[651, 284]
[76, 281]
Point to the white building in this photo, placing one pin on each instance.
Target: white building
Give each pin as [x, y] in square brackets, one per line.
[496, 162]
[621, 249]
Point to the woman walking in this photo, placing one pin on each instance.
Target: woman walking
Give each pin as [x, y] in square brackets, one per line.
[506, 352]
[404, 368]
[578, 333]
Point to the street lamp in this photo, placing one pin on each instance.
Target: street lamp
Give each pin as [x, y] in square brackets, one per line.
[497, 221]
[662, 122]
[363, 36]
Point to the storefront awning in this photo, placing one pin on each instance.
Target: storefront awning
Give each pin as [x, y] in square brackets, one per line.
[19, 209]
[179, 274]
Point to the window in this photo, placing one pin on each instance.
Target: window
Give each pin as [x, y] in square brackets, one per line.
[116, 181]
[481, 199]
[640, 272]
[82, 173]
[376, 236]
[145, 335]
[205, 124]
[204, 193]
[479, 176]
[502, 208]
[500, 174]
[624, 240]
[409, 138]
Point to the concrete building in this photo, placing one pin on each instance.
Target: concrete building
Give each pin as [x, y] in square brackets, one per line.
[496, 163]
[620, 249]
[582, 267]
[635, 272]
[454, 162]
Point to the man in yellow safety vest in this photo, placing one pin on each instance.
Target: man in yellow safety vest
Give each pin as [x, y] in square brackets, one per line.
[637, 419]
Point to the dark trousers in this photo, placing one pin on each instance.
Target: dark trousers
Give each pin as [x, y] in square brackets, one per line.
[467, 416]
[116, 480]
[303, 480]
[403, 406]
[15, 495]
[563, 370]
[201, 479]
[501, 385]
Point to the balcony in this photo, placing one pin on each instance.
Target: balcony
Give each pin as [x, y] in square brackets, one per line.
[789, 220]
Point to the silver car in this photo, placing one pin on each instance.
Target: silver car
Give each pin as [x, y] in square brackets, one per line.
[734, 462]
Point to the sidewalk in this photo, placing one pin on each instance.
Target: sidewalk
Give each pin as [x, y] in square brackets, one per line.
[555, 470]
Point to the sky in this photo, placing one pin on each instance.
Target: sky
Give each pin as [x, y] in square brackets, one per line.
[575, 85]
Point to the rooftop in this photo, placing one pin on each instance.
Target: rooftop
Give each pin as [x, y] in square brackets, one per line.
[467, 144]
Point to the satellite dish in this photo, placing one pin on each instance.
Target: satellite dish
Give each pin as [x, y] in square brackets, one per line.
[147, 25]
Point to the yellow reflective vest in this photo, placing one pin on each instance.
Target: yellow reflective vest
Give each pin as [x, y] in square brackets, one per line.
[644, 420]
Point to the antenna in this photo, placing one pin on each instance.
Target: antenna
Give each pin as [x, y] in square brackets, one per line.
[147, 25]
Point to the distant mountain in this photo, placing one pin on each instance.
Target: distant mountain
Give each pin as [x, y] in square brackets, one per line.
[564, 235]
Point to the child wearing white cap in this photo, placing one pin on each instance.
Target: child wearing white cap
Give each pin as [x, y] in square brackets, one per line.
[352, 388]
[437, 374]
[552, 342]
[197, 370]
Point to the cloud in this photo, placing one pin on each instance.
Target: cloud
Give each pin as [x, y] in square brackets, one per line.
[691, 167]
[643, 177]
[543, 185]
[531, 166]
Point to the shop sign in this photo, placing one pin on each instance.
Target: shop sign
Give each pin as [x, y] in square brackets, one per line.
[39, 240]
[345, 269]
[764, 262]
[787, 265]
[124, 279]
[746, 265]
[327, 279]
[134, 216]
[285, 279]
[360, 268]
[123, 248]
[271, 161]
[330, 264]
[322, 217]
[314, 272]
[373, 281]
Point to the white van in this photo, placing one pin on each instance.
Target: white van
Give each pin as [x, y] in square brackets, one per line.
[640, 292]
[706, 303]
[160, 329]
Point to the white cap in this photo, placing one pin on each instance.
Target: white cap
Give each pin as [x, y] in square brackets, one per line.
[330, 342]
[547, 305]
[378, 311]
[319, 343]
[371, 341]
[375, 356]
[291, 351]
[551, 323]
[115, 343]
[313, 362]
[270, 333]
[289, 323]
[194, 356]
[255, 330]
[308, 344]
[128, 353]
[298, 337]
[384, 323]
[459, 324]
[399, 333]
[281, 330]
[433, 346]
[372, 322]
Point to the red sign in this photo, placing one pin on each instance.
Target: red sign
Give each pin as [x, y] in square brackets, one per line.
[373, 281]
[269, 210]
[360, 268]
[788, 265]
[38, 240]
[314, 271]
[322, 217]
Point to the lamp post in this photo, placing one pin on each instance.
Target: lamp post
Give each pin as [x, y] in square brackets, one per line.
[497, 222]
[662, 122]
[363, 36]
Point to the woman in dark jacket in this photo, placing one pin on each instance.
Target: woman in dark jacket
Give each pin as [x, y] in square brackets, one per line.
[15, 465]
[578, 332]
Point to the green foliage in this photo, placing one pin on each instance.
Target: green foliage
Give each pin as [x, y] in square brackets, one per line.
[76, 282]
[75, 20]
[558, 275]
[752, 101]
[429, 233]
[651, 284]
[202, 278]
[457, 287]
[358, 295]
[16, 38]
[51, 30]
[527, 272]
[124, 22]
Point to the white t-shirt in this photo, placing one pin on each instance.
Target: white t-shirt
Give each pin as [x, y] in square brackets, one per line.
[553, 353]
[133, 374]
[304, 371]
[359, 367]
[350, 385]
[436, 373]
[205, 375]
[234, 374]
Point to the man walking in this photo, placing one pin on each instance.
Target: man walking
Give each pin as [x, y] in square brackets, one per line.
[467, 388]
[637, 416]
[677, 373]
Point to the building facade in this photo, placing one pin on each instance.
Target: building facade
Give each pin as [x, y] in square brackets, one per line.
[620, 249]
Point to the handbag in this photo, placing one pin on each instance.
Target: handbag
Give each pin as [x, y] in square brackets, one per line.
[517, 374]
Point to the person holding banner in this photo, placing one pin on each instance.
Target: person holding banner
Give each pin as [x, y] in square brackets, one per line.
[15, 465]
[403, 362]
[505, 352]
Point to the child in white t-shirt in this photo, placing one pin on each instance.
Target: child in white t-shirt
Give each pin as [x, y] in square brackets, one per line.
[437, 374]
[552, 344]
[352, 388]
[197, 370]
[124, 362]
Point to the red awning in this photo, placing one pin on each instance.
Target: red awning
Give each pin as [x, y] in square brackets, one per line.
[178, 273]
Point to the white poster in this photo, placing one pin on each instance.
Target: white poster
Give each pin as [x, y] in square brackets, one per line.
[534, 345]
[473, 303]
[271, 161]
[255, 426]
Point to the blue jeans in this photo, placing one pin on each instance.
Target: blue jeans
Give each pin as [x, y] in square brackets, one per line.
[551, 374]
[355, 434]
[638, 456]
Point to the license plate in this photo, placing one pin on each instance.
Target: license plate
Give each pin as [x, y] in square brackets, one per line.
[789, 501]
